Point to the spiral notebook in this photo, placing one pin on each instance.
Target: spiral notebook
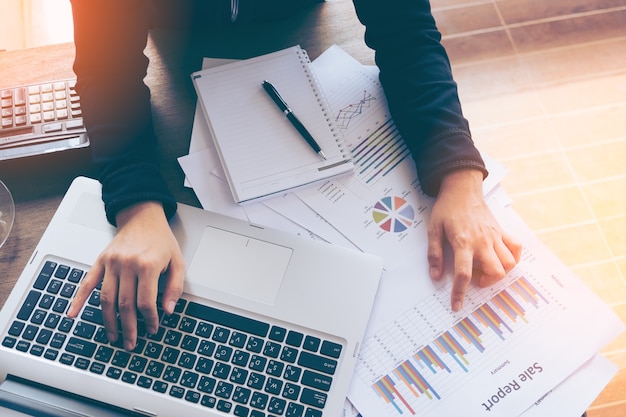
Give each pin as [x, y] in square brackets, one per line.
[261, 152]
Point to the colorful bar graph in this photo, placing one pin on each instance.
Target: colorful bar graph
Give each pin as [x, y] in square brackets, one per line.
[500, 314]
[412, 378]
[385, 387]
[491, 319]
[448, 344]
[509, 305]
[525, 289]
[379, 152]
[430, 358]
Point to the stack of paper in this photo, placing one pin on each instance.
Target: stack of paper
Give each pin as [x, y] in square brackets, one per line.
[520, 347]
[262, 152]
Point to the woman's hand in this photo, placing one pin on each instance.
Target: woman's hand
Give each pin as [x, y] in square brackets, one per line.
[143, 249]
[482, 251]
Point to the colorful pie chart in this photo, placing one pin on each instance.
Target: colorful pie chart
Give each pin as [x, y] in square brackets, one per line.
[393, 214]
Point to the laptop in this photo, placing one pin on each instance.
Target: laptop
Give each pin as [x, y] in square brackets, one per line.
[269, 324]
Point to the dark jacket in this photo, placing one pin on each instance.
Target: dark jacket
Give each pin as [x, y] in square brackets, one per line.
[110, 36]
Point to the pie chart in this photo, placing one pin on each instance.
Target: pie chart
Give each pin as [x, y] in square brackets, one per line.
[393, 214]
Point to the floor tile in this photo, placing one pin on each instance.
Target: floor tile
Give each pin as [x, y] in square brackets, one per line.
[557, 66]
[478, 46]
[520, 11]
[538, 172]
[595, 162]
[589, 126]
[517, 139]
[488, 78]
[472, 18]
[614, 230]
[551, 208]
[603, 278]
[501, 109]
[606, 197]
[572, 31]
[578, 245]
[584, 94]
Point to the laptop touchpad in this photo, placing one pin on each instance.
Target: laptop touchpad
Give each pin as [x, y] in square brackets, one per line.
[239, 265]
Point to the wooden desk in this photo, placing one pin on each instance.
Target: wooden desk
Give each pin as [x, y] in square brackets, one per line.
[38, 183]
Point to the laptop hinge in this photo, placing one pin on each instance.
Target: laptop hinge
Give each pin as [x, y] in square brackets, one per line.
[34, 399]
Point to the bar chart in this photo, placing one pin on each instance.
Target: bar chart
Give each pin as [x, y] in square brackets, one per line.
[430, 360]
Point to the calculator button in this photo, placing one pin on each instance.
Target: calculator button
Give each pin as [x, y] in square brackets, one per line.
[61, 114]
[61, 104]
[47, 97]
[7, 122]
[7, 102]
[20, 110]
[48, 116]
[8, 112]
[48, 106]
[33, 89]
[52, 127]
[20, 120]
[74, 124]
[35, 117]
[46, 88]
[34, 99]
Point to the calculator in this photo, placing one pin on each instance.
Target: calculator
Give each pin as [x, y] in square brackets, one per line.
[41, 118]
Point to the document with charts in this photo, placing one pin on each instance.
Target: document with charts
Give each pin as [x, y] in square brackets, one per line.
[510, 344]
[380, 207]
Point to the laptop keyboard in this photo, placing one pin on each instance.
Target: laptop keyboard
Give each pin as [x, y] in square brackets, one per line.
[202, 355]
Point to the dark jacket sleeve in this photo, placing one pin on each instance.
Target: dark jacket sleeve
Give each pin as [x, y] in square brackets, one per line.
[417, 79]
[110, 66]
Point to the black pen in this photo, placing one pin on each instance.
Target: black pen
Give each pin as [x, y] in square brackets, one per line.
[273, 93]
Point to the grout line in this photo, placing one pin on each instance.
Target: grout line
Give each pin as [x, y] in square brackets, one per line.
[545, 51]
[506, 26]
[461, 6]
[564, 187]
[507, 31]
[570, 148]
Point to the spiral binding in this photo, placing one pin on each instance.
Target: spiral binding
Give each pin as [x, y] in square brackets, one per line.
[323, 102]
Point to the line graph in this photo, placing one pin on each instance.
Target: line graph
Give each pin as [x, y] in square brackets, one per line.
[349, 112]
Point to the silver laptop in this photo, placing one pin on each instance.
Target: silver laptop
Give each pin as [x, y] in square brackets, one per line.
[269, 324]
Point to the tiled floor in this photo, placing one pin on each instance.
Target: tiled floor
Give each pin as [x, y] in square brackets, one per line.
[543, 84]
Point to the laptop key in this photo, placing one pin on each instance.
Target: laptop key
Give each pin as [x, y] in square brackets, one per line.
[316, 380]
[97, 368]
[84, 330]
[16, 328]
[44, 275]
[144, 382]
[331, 349]
[29, 305]
[177, 392]
[224, 318]
[9, 342]
[81, 347]
[314, 398]
[317, 363]
[92, 315]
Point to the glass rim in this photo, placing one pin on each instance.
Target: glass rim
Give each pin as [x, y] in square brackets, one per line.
[6, 224]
